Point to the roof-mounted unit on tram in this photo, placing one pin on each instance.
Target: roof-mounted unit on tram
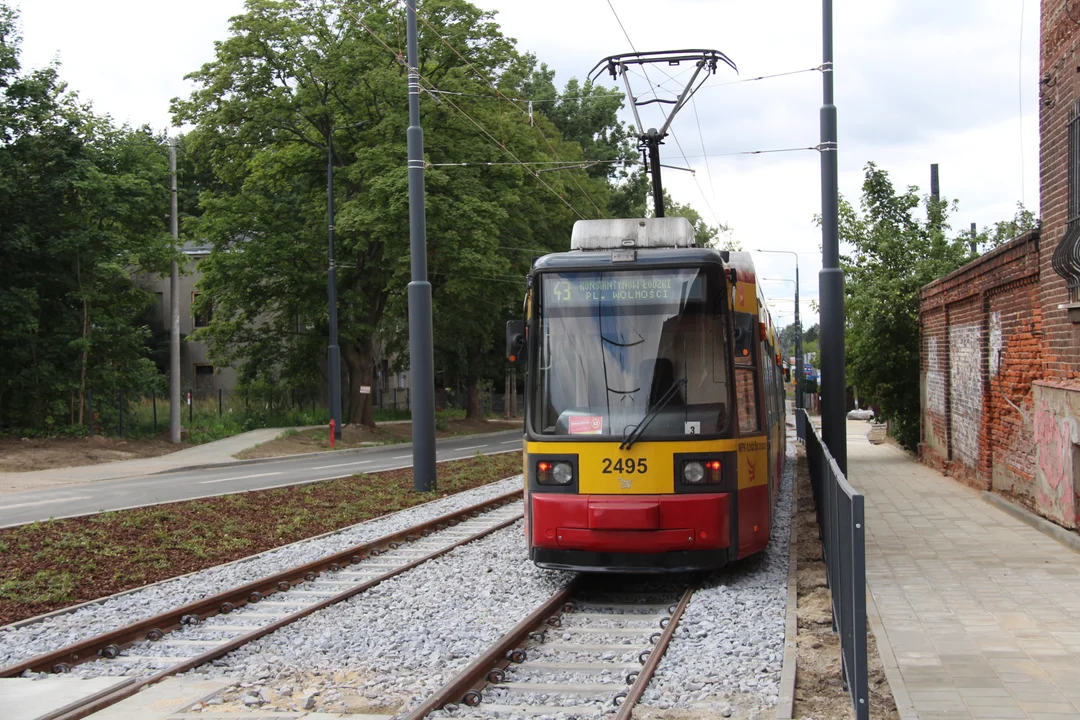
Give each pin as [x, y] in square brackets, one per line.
[637, 233]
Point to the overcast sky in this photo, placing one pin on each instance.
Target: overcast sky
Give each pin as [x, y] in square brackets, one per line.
[917, 82]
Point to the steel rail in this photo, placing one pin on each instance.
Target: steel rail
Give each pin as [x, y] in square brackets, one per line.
[226, 647]
[630, 700]
[110, 643]
[476, 673]
[482, 670]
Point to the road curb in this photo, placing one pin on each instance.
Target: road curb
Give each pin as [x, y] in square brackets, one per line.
[893, 676]
[335, 453]
[785, 705]
[1069, 539]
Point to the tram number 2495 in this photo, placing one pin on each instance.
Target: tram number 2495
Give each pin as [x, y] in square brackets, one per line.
[628, 466]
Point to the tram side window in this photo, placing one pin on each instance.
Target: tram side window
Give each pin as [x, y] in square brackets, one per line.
[746, 399]
[770, 384]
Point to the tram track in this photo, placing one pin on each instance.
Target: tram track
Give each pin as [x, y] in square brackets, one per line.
[591, 651]
[198, 633]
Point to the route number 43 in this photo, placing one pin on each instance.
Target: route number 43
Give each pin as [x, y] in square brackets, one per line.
[628, 466]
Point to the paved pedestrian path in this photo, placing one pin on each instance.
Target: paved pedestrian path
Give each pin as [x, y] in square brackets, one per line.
[211, 453]
[981, 611]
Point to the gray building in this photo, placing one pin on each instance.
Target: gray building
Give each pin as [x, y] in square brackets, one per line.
[197, 371]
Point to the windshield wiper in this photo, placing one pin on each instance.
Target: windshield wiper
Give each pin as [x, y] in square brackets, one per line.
[632, 438]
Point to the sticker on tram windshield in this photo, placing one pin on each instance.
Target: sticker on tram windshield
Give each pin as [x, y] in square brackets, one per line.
[692, 427]
[586, 425]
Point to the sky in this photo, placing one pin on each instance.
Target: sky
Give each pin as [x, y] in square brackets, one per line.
[916, 82]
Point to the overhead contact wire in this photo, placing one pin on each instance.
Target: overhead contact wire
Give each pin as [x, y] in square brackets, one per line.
[502, 95]
[482, 129]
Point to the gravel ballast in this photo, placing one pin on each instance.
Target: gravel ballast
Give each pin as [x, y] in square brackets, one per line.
[724, 659]
[20, 643]
[388, 649]
[729, 646]
[402, 640]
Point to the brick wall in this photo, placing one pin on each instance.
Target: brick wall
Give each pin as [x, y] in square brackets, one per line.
[1059, 89]
[1000, 353]
[981, 344]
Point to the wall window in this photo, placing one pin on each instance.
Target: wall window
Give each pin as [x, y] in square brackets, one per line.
[202, 319]
[204, 378]
[1066, 260]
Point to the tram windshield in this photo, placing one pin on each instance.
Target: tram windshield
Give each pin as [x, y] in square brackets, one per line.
[613, 345]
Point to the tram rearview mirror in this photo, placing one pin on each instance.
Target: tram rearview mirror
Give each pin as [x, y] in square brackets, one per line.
[515, 342]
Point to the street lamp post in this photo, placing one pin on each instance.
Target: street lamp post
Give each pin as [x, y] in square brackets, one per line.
[798, 330]
[831, 277]
[334, 351]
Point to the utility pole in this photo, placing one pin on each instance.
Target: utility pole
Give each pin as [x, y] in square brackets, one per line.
[421, 352]
[831, 277]
[174, 311]
[333, 359]
[974, 241]
[799, 364]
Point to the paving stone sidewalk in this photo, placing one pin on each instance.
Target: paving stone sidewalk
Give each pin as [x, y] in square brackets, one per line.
[982, 612]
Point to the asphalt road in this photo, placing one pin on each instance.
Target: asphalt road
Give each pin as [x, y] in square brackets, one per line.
[87, 498]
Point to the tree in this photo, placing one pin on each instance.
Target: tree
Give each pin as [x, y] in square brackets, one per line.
[895, 253]
[263, 110]
[83, 204]
[704, 234]
[1001, 232]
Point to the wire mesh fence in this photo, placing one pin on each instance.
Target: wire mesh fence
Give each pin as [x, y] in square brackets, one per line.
[204, 415]
[212, 414]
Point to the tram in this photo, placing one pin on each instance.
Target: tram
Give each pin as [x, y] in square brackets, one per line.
[655, 429]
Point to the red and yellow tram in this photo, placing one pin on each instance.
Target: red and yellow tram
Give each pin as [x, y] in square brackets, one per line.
[655, 427]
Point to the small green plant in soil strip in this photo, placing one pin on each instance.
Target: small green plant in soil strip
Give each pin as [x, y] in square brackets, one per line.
[49, 565]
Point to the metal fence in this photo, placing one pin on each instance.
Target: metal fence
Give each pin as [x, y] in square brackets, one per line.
[841, 523]
[134, 413]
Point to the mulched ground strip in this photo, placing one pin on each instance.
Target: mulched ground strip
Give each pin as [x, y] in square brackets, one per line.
[49, 565]
[819, 689]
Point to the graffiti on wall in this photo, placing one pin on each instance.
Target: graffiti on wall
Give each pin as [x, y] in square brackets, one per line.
[995, 343]
[1054, 438]
[965, 392]
[935, 379]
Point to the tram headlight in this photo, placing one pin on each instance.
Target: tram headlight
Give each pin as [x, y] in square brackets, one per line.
[554, 473]
[702, 472]
[693, 472]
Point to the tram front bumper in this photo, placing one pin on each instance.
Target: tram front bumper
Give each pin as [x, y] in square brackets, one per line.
[630, 524]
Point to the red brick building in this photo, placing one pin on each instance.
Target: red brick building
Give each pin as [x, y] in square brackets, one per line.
[1001, 336]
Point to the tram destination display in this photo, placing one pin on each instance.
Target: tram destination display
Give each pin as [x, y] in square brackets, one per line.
[617, 288]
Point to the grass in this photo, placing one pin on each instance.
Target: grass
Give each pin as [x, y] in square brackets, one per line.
[205, 420]
[49, 565]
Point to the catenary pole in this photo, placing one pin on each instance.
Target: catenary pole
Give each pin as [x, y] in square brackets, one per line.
[174, 310]
[831, 277]
[333, 357]
[421, 354]
[799, 364]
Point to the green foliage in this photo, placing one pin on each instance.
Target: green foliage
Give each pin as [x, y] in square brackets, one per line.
[706, 235]
[83, 203]
[895, 253]
[1001, 232]
[264, 111]
[809, 341]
